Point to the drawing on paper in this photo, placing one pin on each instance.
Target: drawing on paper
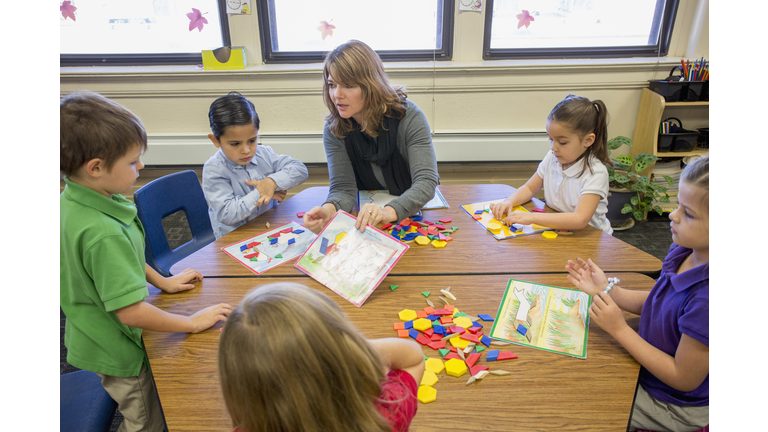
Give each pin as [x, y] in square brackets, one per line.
[481, 212]
[350, 263]
[382, 197]
[544, 317]
[271, 248]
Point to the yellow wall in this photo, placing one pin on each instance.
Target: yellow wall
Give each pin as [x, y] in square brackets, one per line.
[499, 106]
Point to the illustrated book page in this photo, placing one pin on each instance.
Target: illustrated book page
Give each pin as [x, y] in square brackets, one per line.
[348, 262]
[481, 212]
[544, 317]
[382, 198]
[271, 248]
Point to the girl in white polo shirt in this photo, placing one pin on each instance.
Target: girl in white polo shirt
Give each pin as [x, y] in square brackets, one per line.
[573, 174]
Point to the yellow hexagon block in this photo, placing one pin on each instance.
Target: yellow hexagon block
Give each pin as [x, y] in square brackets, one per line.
[494, 227]
[549, 234]
[455, 367]
[422, 240]
[439, 243]
[429, 378]
[426, 394]
[434, 365]
[422, 324]
[459, 343]
[407, 315]
[340, 236]
[463, 321]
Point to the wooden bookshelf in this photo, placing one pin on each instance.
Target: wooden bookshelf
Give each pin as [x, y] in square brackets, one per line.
[649, 115]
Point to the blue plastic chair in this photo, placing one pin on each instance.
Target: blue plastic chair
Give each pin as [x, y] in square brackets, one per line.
[84, 405]
[165, 196]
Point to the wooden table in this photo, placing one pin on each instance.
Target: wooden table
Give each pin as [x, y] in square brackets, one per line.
[545, 392]
[473, 250]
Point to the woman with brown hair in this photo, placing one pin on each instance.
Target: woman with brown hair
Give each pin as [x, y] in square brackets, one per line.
[375, 138]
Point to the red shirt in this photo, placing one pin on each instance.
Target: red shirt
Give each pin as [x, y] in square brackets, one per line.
[400, 388]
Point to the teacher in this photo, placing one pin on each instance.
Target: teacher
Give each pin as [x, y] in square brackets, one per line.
[375, 138]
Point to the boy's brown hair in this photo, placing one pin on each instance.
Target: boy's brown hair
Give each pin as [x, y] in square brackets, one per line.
[94, 127]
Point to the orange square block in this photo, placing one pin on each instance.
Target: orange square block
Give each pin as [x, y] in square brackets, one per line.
[421, 314]
[402, 333]
[399, 326]
[429, 310]
[446, 320]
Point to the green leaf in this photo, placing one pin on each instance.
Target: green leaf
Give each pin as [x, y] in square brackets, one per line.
[658, 210]
[668, 179]
[639, 215]
[627, 209]
[634, 200]
[641, 165]
[643, 179]
[619, 141]
[664, 200]
[632, 174]
[624, 159]
[621, 178]
[637, 187]
[647, 158]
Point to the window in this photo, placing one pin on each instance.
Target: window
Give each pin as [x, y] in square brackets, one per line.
[140, 32]
[577, 28]
[302, 31]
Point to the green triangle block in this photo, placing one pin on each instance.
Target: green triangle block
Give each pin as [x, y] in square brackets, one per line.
[254, 259]
[444, 352]
[393, 287]
[425, 293]
[278, 256]
[432, 237]
[454, 228]
[459, 314]
[425, 357]
[479, 348]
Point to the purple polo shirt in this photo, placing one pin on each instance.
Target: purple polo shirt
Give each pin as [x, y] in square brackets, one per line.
[678, 304]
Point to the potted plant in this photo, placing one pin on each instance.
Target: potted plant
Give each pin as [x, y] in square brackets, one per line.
[631, 193]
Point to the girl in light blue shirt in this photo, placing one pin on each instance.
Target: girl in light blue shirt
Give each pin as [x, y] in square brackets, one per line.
[243, 179]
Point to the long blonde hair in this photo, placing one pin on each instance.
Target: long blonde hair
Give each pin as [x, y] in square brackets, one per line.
[355, 63]
[289, 360]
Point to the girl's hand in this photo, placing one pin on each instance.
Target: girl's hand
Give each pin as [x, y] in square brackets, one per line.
[279, 196]
[519, 217]
[371, 214]
[317, 218]
[266, 189]
[586, 276]
[606, 313]
[181, 282]
[499, 210]
[209, 316]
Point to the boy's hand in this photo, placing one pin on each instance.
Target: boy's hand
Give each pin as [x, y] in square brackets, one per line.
[499, 210]
[519, 217]
[606, 313]
[317, 218]
[209, 316]
[279, 196]
[266, 189]
[586, 276]
[181, 282]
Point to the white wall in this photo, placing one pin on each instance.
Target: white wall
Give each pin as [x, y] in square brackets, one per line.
[479, 110]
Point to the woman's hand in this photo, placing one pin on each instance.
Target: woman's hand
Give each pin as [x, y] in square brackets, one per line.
[371, 214]
[317, 218]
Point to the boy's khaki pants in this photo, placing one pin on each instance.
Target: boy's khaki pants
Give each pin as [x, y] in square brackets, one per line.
[652, 414]
[137, 401]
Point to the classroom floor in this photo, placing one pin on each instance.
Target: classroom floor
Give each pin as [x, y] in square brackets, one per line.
[652, 236]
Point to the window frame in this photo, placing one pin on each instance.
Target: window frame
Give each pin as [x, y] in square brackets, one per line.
[266, 21]
[153, 59]
[662, 49]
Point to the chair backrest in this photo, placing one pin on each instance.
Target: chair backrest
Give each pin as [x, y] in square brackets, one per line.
[165, 196]
[84, 405]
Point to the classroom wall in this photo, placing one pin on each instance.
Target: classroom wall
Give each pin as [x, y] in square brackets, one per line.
[478, 110]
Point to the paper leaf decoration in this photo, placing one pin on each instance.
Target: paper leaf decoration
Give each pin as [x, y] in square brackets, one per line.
[196, 19]
[326, 29]
[525, 19]
[68, 10]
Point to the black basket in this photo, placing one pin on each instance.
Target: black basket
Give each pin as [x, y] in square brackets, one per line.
[703, 139]
[674, 90]
[678, 140]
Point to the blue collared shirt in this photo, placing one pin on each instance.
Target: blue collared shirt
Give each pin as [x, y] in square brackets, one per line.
[231, 201]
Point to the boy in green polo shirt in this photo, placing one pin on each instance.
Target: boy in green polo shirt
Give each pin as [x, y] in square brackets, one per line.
[103, 273]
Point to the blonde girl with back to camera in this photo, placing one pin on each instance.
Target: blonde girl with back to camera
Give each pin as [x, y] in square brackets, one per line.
[573, 174]
[290, 360]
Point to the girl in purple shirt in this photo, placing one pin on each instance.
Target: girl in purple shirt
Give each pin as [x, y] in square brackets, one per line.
[672, 345]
